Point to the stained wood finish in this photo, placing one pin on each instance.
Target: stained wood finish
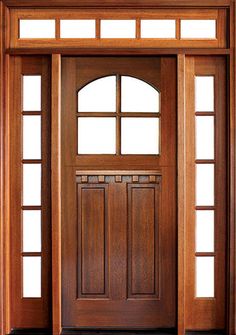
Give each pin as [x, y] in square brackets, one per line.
[206, 313]
[118, 212]
[119, 3]
[218, 14]
[56, 191]
[29, 312]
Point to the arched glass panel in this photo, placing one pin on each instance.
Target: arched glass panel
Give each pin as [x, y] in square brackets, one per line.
[98, 96]
[138, 96]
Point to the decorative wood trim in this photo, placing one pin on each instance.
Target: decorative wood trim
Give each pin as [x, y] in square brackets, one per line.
[118, 3]
[4, 175]
[117, 173]
[56, 192]
[181, 192]
[231, 247]
[120, 51]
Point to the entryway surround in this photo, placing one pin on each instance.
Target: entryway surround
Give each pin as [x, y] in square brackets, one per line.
[117, 125]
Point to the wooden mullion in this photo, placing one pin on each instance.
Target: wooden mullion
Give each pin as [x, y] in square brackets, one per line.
[56, 191]
[118, 118]
[96, 114]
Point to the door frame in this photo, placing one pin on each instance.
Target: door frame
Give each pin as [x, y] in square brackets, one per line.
[180, 53]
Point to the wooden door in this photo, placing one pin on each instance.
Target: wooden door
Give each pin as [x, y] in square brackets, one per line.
[119, 192]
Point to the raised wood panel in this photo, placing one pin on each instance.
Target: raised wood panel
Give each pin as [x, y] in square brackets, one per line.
[143, 240]
[92, 227]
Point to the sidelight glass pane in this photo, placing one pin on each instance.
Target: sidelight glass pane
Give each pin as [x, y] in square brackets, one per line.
[204, 277]
[31, 184]
[205, 137]
[32, 93]
[31, 231]
[157, 28]
[118, 28]
[32, 137]
[140, 136]
[98, 96]
[204, 231]
[37, 29]
[204, 94]
[198, 29]
[77, 29]
[31, 277]
[205, 184]
[138, 96]
[96, 135]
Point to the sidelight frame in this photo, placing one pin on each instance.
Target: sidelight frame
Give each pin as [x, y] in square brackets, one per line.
[56, 52]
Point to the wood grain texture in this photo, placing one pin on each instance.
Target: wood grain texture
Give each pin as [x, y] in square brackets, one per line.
[181, 193]
[217, 14]
[143, 241]
[29, 312]
[207, 313]
[119, 3]
[118, 308]
[92, 227]
[56, 191]
[4, 175]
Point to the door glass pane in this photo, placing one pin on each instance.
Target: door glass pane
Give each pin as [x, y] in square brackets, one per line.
[204, 231]
[118, 28]
[96, 135]
[31, 231]
[32, 93]
[37, 29]
[157, 28]
[138, 96]
[204, 277]
[32, 137]
[31, 184]
[205, 137]
[32, 277]
[198, 29]
[98, 96]
[204, 94]
[205, 184]
[78, 28]
[140, 136]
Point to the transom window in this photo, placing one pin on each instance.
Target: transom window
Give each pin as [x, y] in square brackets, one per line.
[118, 115]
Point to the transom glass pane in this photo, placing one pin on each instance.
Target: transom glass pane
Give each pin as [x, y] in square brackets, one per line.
[198, 29]
[96, 135]
[78, 29]
[118, 28]
[138, 96]
[37, 29]
[140, 135]
[157, 28]
[98, 96]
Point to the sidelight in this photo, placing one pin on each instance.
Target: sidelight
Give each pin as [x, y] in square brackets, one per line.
[204, 93]
[31, 277]
[32, 137]
[205, 277]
